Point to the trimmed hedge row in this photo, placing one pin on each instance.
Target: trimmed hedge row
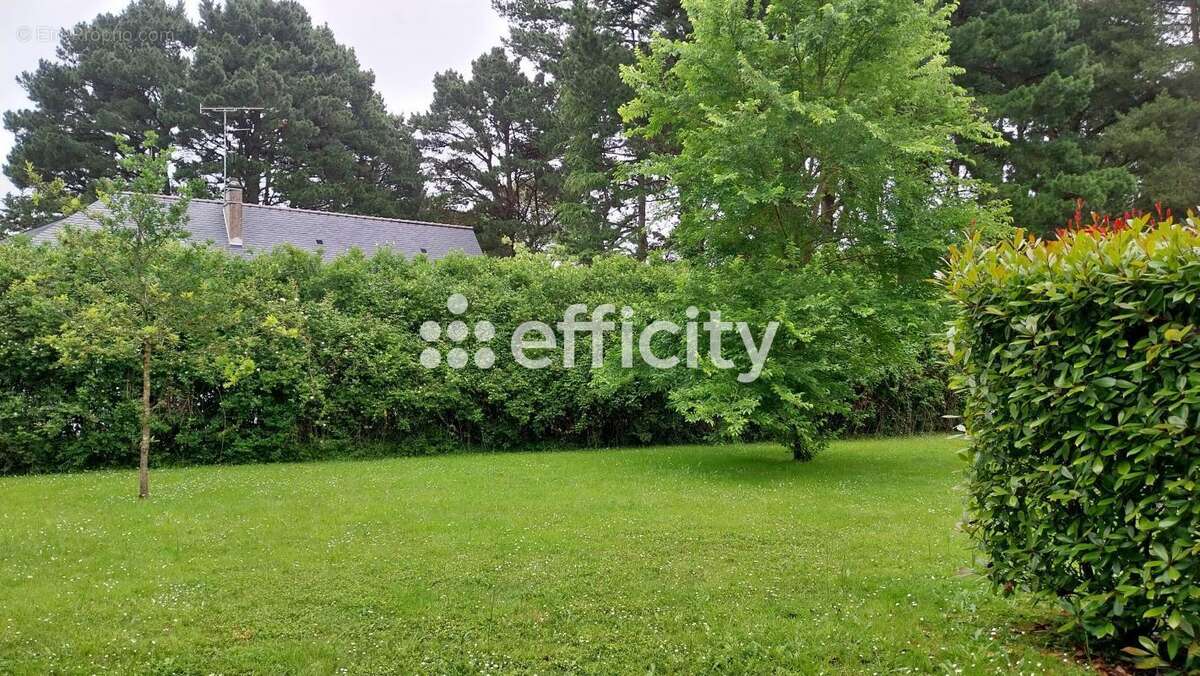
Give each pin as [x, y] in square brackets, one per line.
[300, 358]
[1079, 362]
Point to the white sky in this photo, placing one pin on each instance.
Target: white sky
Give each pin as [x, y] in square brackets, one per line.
[404, 42]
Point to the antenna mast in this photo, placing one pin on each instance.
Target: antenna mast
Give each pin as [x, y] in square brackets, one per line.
[225, 129]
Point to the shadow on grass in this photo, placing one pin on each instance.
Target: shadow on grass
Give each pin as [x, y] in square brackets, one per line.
[770, 463]
[1044, 636]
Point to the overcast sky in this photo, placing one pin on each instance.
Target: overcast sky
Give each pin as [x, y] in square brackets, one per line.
[403, 41]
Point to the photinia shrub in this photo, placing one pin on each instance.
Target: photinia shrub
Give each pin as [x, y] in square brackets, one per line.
[1103, 224]
[1079, 364]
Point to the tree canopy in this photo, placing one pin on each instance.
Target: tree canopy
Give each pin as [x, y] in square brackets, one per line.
[804, 127]
[325, 140]
[1093, 99]
[582, 46]
[489, 150]
[750, 125]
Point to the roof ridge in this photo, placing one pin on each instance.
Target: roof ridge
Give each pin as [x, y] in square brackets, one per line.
[349, 215]
[279, 207]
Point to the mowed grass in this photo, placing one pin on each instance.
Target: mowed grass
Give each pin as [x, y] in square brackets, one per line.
[727, 559]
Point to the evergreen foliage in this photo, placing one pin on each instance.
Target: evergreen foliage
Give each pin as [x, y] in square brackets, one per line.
[100, 87]
[582, 45]
[1093, 98]
[325, 141]
[489, 150]
[1079, 361]
[290, 357]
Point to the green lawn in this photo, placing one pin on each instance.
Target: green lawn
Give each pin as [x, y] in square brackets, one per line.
[718, 559]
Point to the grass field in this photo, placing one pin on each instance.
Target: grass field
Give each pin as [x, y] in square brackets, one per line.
[717, 559]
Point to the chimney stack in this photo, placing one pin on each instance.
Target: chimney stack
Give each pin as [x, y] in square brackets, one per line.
[233, 214]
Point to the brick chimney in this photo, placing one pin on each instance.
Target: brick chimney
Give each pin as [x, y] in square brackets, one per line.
[233, 214]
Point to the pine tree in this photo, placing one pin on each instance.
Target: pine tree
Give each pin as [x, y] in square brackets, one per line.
[488, 147]
[119, 74]
[1097, 100]
[22, 211]
[583, 44]
[1146, 108]
[1027, 63]
[325, 142]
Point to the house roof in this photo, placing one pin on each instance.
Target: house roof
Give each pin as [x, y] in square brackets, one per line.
[266, 227]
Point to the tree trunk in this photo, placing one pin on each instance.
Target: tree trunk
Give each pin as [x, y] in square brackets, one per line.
[643, 243]
[1195, 23]
[144, 455]
[828, 204]
[802, 451]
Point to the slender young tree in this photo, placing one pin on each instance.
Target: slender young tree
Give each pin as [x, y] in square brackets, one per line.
[144, 290]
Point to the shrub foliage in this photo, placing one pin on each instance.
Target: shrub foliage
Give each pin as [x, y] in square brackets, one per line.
[1079, 362]
[296, 358]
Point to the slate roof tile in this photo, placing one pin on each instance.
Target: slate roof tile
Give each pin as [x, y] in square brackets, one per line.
[266, 227]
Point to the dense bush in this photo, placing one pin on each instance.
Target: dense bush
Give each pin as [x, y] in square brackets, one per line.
[295, 358]
[910, 397]
[1080, 367]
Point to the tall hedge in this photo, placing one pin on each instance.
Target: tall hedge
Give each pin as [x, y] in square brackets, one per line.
[302, 358]
[1079, 362]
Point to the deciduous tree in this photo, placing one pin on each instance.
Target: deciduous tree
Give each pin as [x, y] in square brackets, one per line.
[145, 286]
[803, 127]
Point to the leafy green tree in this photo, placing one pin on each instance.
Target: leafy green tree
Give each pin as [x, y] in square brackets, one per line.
[583, 44]
[815, 171]
[141, 294]
[489, 151]
[805, 127]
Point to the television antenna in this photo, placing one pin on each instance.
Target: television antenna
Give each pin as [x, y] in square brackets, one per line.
[225, 129]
